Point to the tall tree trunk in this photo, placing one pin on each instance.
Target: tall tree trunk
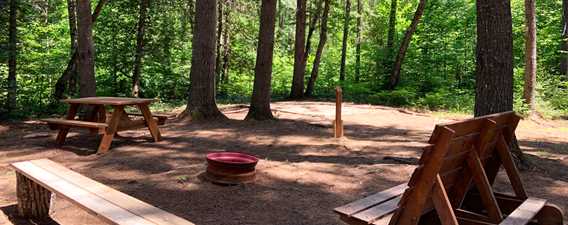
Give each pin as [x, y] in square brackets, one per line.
[299, 65]
[319, 51]
[346, 19]
[564, 45]
[139, 55]
[358, 42]
[85, 50]
[72, 11]
[220, 31]
[392, 27]
[260, 101]
[226, 43]
[201, 104]
[12, 84]
[530, 54]
[311, 29]
[494, 62]
[395, 73]
[494, 70]
[62, 82]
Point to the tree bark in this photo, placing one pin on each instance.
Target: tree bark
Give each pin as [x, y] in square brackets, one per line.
[139, 55]
[358, 42]
[297, 90]
[260, 101]
[201, 104]
[346, 19]
[530, 54]
[494, 67]
[85, 50]
[392, 26]
[564, 44]
[395, 73]
[62, 82]
[13, 51]
[494, 62]
[319, 51]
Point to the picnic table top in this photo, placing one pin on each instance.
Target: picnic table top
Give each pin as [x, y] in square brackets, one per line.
[109, 101]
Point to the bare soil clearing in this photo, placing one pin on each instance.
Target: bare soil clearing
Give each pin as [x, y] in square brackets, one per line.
[302, 175]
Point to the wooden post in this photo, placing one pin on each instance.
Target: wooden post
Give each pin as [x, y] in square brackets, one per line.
[338, 123]
[34, 201]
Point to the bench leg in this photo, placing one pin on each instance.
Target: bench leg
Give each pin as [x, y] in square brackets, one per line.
[550, 215]
[111, 129]
[34, 201]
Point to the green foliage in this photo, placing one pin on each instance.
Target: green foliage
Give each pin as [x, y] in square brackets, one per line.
[438, 72]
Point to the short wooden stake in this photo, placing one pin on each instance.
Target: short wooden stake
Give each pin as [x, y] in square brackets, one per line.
[34, 201]
[338, 123]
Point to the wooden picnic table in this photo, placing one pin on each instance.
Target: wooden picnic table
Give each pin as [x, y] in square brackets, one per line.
[107, 123]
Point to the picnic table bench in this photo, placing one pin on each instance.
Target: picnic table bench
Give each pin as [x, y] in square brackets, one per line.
[453, 182]
[107, 123]
[39, 180]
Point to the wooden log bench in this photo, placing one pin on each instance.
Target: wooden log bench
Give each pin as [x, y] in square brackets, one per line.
[39, 180]
[452, 183]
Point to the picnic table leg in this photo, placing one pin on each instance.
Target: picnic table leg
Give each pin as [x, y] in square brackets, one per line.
[111, 129]
[150, 122]
[65, 129]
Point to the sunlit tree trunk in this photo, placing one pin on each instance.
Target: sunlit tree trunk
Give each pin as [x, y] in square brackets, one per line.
[346, 19]
[530, 54]
[226, 43]
[395, 73]
[13, 50]
[139, 55]
[85, 50]
[201, 103]
[358, 42]
[319, 51]
[299, 65]
[260, 101]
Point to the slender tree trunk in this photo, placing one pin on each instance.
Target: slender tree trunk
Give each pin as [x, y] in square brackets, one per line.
[72, 11]
[392, 27]
[260, 101]
[12, 84]
[395, 73]
[311, 29]
[346, 19]
[564, 45]
[299, 66]
[85, 50]
[201, 104]
[358, 42]
[139, 55]
[226, 43]
[319, 51]
[62, 82]
[530, 54]
[220, 31]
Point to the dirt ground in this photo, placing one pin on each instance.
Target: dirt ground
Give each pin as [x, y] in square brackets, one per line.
[302, 175]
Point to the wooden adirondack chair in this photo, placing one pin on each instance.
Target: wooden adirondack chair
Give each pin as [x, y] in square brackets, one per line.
[453, 182]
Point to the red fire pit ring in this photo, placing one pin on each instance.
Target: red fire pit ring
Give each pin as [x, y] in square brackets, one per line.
[231, 167]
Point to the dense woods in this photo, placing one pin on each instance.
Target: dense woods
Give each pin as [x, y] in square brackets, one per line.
[436, 54]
